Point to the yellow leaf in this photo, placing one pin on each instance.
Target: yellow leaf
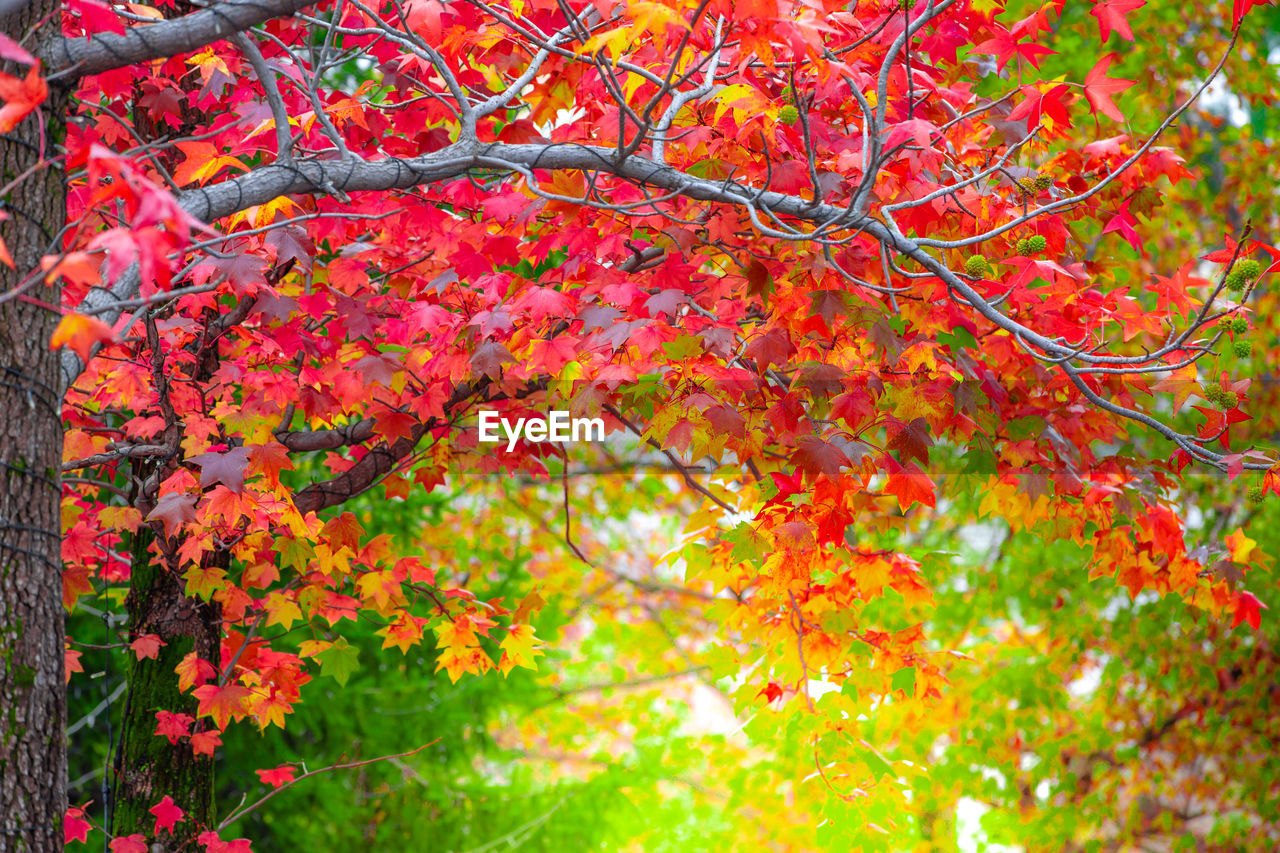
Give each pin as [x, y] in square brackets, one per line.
[739, 96]
[1240, 546]
[613, 41]
[281, 610]
[519, 649]
[120, 518]
[205, 582]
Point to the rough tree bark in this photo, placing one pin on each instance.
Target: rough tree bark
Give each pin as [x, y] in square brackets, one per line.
[148, 767]
[32, 684]
[32, 632]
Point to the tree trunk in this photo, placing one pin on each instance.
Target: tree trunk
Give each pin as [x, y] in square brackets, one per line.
[147, 766]
[33, 772]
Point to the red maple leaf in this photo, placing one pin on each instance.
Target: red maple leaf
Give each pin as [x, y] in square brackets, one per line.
[270, 459]
[226, 468]
[1111, 17]
[75, 827]
[1039, 105]
[1123, 222]
[1099, 88]
[912, 441]
[213, 844]
[173, 726]
[1172, 292]
[1005, 45]
[787, 484]
[1247, 609]
[908, 484]
[278, 776]
[10, 49]
[1240, 8]
[773, 347]
[166, 814]
[147, 646]
[135, 843]
[815, 456]
[771, 691]
[173, 510]
[95, 16]
[204, 743]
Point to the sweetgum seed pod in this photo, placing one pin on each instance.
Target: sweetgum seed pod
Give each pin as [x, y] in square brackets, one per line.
[1248, 269]
[1239, 325]
[1243, 349]
[1235, 281]
[1230, 400]
[976, 266]
[1036, 243]
[788, 114]
[1042, 182]
[1257, 494]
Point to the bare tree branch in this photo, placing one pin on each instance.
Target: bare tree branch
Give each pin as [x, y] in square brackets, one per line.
[104, 51]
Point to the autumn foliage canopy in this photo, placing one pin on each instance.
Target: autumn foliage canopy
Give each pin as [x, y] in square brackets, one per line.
[895, 313]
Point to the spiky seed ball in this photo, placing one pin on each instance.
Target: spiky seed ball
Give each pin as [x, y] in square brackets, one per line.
[1235, 281]
[1224, 324]
[788, 114]
[1042, 182]
[1247, 268]
[1021, 246]
[1213, 394]
[976, 266]
[1239, 325]
[1036, 243]
[1257, 494]
[1229, 399]
[1243, 349]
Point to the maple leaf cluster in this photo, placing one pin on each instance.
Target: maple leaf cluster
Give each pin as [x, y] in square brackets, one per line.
[742, 234]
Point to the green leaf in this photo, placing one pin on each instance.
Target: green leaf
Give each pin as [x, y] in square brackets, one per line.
[339, 660]
[683, 347]
[905, 680]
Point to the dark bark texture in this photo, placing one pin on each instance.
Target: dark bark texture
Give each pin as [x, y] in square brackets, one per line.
[32, 634]
[148, 767]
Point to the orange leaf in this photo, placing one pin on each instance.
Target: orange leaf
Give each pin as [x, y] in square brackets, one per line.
[192, 671]
[72, 663]
[20, 97]
[1240, 546]
[80, 333]
[147, 646]
[204, 743]
[910, 485]
[221, 703]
